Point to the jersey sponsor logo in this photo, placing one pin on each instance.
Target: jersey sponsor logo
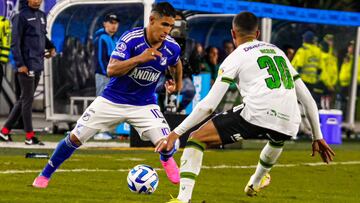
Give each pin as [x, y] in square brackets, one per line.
[238, 107]
[163, 61]
[121, 55]
[145, 76]
[42, 20]
[121, 47]
[236, 137]
[139, 45]
[258, 45]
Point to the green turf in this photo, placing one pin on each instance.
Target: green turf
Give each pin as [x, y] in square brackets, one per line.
[332, 183]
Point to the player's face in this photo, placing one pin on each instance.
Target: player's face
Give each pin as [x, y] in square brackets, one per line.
[111, 27]
[34, 3]
[161, 27]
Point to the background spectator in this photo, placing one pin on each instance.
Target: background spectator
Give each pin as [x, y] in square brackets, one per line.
[346, 74]
[28, 45]
[329, 73]
[228, 48]
[307, 62]
[211, 63]
[104, 44]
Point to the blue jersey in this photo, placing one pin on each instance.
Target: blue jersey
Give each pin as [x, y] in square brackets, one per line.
[137, 87]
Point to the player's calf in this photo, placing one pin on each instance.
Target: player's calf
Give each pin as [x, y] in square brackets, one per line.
[63, 151]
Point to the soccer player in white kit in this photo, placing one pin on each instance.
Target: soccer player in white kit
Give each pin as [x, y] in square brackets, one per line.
[140, 58]
[270, 87]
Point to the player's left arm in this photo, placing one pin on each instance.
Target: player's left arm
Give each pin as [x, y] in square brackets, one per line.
[319, 144]
[176, 72]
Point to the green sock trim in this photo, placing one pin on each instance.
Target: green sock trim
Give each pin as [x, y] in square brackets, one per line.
[276, 144]
[188, 175]
[195, 144]
[227, 80]
[266, 165]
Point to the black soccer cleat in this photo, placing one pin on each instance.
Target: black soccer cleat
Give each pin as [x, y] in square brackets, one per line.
[5, 138]
[33, 141]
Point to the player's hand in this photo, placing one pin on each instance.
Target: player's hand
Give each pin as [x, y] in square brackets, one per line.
[323, 149]
[23, 69]
[168, 143]
[170, 86]
[149, 54]
[52, 52]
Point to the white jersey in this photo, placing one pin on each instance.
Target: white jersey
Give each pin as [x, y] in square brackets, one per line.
[265, 78]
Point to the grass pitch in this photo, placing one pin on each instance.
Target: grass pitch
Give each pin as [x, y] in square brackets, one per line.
[98, 175]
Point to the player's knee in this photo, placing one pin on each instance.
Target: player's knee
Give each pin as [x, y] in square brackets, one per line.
[199, 136]
[75, 140]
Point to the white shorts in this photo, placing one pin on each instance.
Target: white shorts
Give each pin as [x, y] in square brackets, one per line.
[104, 114]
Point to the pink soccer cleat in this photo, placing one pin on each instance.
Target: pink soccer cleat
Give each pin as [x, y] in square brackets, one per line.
[172, 170]
[41, 182]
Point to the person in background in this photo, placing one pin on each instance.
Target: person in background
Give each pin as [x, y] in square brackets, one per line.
[228, 48]
[307, 62]
[104, 44]
[211, 63]
[289, 51]
[346, 73]
[329, 73]
[5, 42]
[29, 46]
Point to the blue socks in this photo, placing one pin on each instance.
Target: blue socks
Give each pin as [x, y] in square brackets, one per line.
[62, 152]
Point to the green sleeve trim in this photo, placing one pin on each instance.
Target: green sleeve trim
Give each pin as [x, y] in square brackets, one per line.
[296, 77]
[188, 175]
[195, 144]
[227, 80]
[266, 165]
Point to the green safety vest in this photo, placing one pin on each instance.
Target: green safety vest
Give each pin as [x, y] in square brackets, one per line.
[307, 62]
[5, 39]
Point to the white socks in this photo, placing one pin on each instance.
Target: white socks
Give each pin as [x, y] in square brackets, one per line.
[191, 161]
[268, 157]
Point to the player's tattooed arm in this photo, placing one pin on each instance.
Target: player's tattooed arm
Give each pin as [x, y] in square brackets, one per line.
[176, 72]
[118, 68]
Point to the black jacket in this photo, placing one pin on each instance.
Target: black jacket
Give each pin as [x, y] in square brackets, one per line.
[29, 39]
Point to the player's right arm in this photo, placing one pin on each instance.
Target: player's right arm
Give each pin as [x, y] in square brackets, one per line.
[319, 144]
[118, 67]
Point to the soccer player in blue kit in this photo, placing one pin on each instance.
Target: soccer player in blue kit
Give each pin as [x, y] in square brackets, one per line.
[141, 56]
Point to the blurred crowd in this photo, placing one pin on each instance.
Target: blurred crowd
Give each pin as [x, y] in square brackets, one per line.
[326, 71]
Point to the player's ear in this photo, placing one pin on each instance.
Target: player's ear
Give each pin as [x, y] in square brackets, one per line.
[257, 34]
[233, 34]
[151, 19]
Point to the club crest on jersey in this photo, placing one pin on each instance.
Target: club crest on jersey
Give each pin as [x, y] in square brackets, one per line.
[163, 61]
[121, 47]
[145, 76]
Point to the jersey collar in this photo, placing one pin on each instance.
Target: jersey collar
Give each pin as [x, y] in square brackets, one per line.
[148, 43]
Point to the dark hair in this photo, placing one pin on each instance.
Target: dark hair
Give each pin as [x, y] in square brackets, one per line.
[164, 9]
[245, 22]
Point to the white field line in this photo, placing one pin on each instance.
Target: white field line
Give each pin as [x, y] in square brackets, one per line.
[52, 145]
[203, 167]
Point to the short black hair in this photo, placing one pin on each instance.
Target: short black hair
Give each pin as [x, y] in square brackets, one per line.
[245, 23]
[164, 9]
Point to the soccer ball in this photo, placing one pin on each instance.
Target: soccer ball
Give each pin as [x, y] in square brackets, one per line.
[142, 179]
